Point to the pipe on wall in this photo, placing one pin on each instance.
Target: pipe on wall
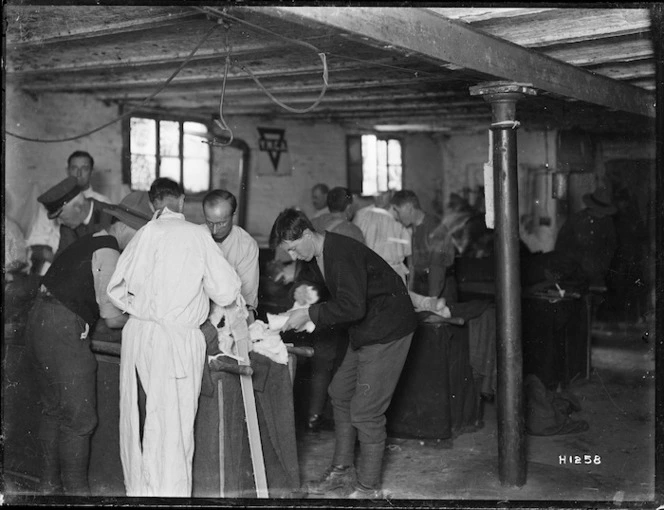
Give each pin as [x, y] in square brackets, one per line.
[243, 198]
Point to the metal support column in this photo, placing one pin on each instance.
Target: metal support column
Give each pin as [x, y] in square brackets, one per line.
[510, 399]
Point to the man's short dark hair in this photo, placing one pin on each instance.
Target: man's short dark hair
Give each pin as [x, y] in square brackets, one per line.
[289, 226]
[322, 187]
[338, 199]
[405, 196]
[81, 154]
[216, 196]
[162, 187]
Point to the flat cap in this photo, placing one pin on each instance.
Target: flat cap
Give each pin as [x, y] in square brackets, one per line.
[134, 210]
[55, 198]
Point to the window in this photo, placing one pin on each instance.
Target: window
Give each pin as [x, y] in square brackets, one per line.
[168, 148]
[374, 164]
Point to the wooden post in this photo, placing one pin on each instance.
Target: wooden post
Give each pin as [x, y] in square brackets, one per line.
[222, 433]
[241, 334]
[510, 399]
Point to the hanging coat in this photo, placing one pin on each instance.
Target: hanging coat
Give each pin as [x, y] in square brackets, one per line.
[165, 279]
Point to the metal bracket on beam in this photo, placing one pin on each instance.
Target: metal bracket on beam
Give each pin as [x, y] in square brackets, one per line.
[503, 96]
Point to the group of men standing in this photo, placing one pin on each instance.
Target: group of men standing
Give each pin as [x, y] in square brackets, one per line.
[139, 266]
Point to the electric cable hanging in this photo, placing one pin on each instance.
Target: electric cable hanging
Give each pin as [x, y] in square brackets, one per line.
[295, 41]
[309, 45]
[130, 112]
[222, 122]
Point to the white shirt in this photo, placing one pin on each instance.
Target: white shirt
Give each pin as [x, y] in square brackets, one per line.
[241, 251]
[46, 231]
[16, 250]
[320, 212]
[386, 236]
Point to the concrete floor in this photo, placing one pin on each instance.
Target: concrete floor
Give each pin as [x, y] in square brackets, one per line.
[618, 402]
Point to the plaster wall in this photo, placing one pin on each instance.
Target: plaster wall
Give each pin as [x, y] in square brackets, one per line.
[423, 168]
[316, 153]
[31, 167]
[463, 158]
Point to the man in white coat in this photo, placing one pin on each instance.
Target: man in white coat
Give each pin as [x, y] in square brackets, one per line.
[165, 280]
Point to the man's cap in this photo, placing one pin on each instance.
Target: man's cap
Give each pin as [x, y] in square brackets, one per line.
[55, 198]
[600, 201]
[134, 209]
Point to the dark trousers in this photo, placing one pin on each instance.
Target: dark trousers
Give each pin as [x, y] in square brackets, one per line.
[363, 386]
[65, 370]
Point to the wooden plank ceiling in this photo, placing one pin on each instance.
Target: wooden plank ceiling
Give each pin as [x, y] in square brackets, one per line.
[407, 67]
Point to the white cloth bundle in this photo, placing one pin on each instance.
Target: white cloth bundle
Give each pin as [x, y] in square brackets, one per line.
[267, 342]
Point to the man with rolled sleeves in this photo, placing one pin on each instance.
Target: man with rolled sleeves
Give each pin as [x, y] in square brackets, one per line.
[77, 214]
[237, 245]
[71, 299]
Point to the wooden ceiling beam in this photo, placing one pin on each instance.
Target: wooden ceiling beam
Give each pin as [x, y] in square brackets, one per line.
[568, 25]
[408, 107]
[208, 88]
[210, 75]
[113, 65]
[422, 32]
[475, 14]
[625, 70]
[104, 29]
[602, 52]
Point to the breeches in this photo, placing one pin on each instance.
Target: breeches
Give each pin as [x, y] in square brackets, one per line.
[363, 386]
[65, 367]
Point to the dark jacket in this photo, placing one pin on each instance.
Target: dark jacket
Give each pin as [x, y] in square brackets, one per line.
[70, 277]
[366, 294]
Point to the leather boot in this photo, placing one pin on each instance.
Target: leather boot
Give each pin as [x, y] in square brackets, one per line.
[479, 404]
[345, 436]
[49, 478]
[341, 474]
[334, 478]
[74, 459]
[369, 470]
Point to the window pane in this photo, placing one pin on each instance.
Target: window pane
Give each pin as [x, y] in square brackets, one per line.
[394, 152]
[381, 177]
[394, 164]
[143, 136]
[194, 136]
[196, 175]
[394, 177]
[369, 165]
[170, 167]
[143, 171]
[169, 138]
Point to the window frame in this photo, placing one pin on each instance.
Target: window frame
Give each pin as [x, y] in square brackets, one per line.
[352, 166]
[158, 116]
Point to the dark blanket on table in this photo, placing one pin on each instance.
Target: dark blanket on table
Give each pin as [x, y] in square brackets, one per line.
[480, 317]
[468, 309]
[274, 406]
